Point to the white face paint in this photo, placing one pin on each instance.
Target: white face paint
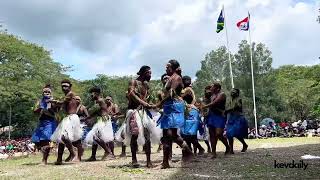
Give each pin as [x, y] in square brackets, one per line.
[46, 92]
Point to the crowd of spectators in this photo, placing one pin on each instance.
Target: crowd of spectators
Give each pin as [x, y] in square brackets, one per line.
[297, 129]
[14, 146]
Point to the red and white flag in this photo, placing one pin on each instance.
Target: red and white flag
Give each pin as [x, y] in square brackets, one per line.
[244, 24]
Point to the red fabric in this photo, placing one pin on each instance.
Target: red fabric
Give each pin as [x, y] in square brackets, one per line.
[134, 129]
[243, 24]
[283, 124]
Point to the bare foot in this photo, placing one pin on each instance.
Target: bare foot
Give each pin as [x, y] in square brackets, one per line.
[44, 162]
[104, 156]
[70, 157]
[111, 157]
[149, 165]
[165, 166]
[123, 155]
[214, 156]
[76, 159]
[135, 164]
[201, 152]
[91, 159]
[58, 163]
[244, 149]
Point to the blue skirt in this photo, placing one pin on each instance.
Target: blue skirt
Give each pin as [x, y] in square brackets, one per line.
[191, 124]
[86, 130]
[215, 121]
[173, 114]
[114, 127]
[237, 126]
[44, 130]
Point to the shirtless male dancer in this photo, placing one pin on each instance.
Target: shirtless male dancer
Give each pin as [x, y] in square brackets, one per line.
[216, 120]
[69, 131]
[173, 113]
[138, 92]
[101, 132]
[113, 111]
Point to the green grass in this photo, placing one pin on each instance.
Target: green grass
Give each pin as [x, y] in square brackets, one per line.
[256, 163]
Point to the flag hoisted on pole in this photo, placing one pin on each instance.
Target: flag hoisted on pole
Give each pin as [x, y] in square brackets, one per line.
[244, 26]
[221, 23]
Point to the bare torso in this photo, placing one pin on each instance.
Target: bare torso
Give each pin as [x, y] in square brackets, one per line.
[70, 104]
[103, 107]
[174, 86]
[219, 100]
[112, 109]
[139, 89]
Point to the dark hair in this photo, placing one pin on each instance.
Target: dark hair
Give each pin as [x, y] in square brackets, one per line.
[237, 90]
[174, 64]
[143, 69]
[217, 84]
[186, 81]
[66, 81]
[207, 88]
[109, 97]
[163, 75]
[95, 89]
[48, 86]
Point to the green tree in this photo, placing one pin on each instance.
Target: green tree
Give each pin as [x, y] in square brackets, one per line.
[24, 69]
[215, 67]
[299, 87]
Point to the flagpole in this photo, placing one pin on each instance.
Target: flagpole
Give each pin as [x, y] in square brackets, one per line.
[252, 77]
[230, 66]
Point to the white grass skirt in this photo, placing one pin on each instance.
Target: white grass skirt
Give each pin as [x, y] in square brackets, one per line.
[68, 128]
[101, 130]
[157, 131]
[143, 122]
[120, 134]
[205, 136]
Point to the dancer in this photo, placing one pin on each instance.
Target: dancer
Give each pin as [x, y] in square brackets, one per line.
[193, 121]
[173, 113]
[206, 100]
[47, 123]
[237, 125]
[69, 131]
[82, 112]
[139, 126]
[120, 136]
[216, 120]
[101, 133]
[113, 111]
[164, 79]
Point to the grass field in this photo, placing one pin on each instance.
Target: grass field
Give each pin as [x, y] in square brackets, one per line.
[256, 163]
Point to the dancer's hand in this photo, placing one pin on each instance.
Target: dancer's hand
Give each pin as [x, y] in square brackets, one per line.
[53, 101]
[153, 106]
[150, 106]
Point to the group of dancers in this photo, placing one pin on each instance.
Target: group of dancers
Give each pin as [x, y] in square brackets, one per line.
[176, 117]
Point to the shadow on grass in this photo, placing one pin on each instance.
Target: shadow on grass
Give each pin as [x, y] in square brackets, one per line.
[254, 164]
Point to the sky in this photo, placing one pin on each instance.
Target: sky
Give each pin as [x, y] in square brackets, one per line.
[118, 37]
